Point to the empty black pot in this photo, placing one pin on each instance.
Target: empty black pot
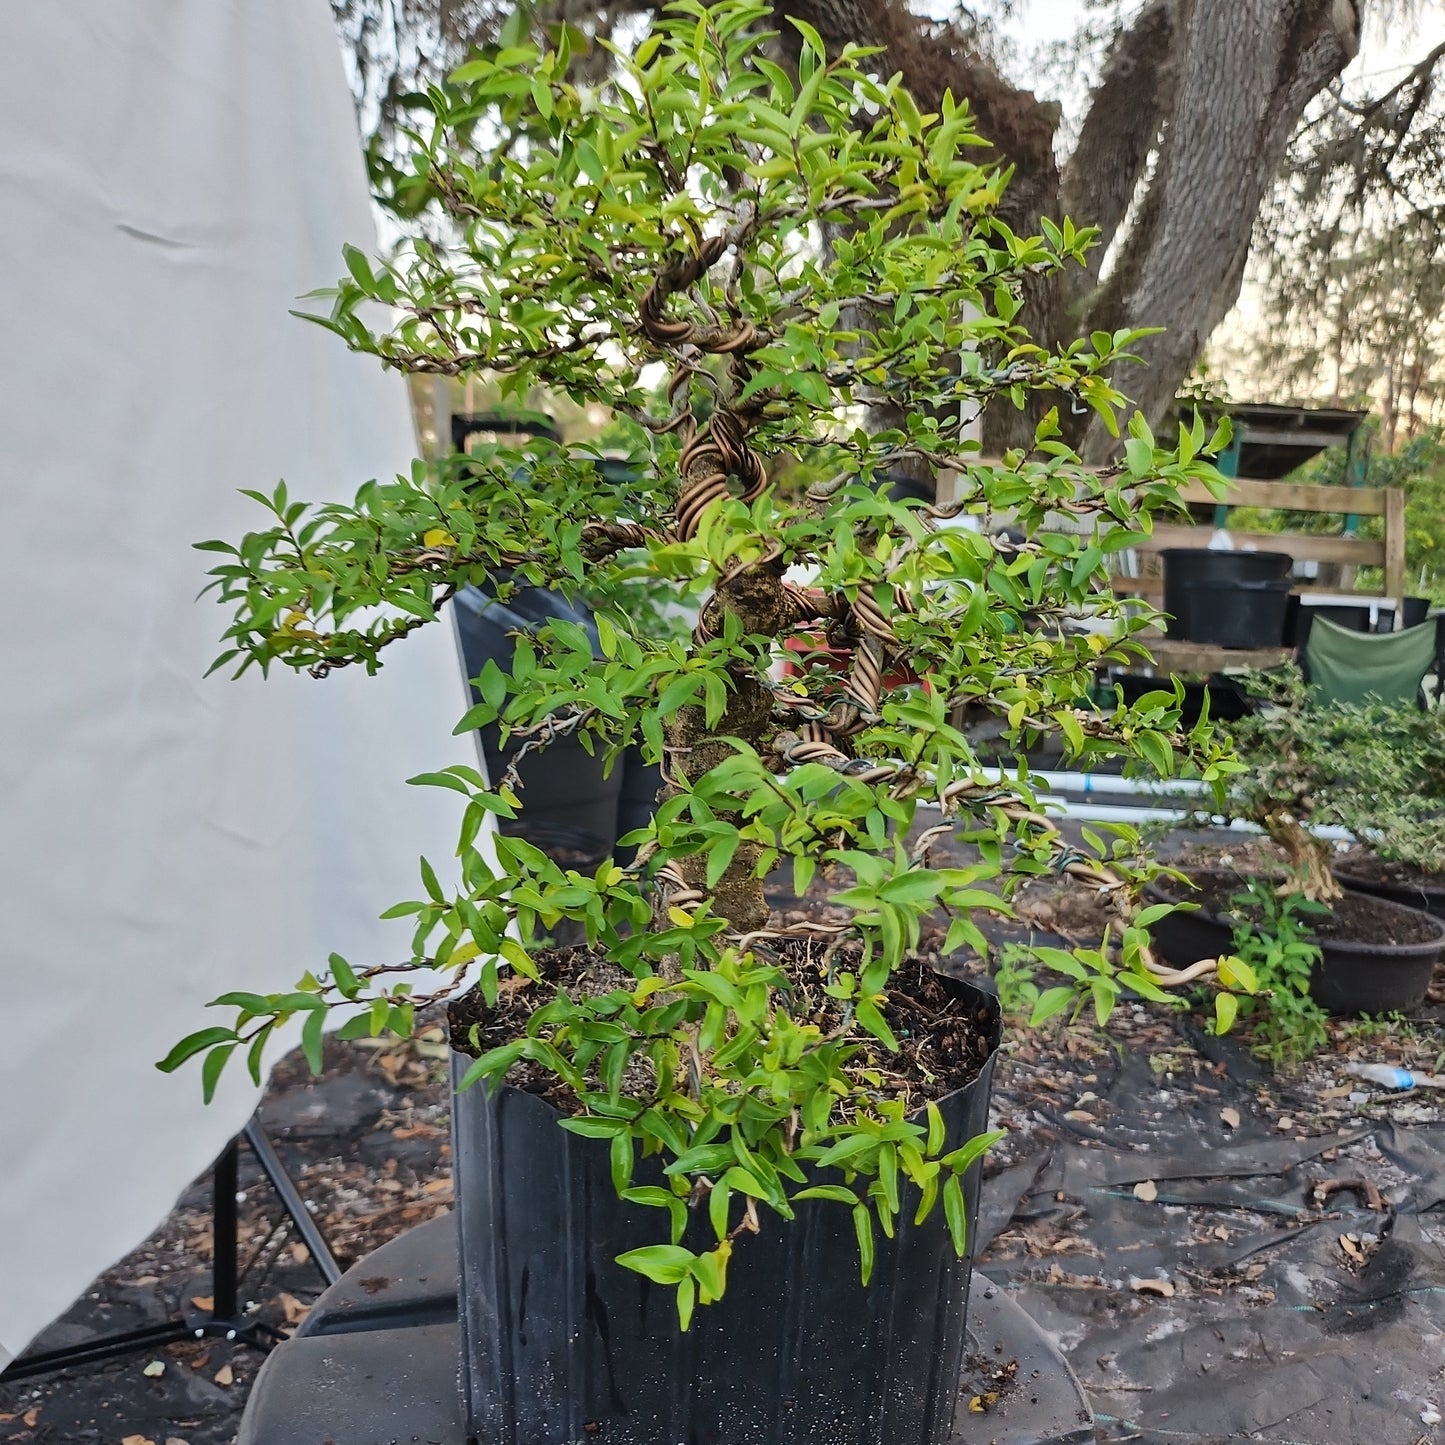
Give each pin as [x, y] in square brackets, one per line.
[563, 785]
[1226, 599]
[563, 1345]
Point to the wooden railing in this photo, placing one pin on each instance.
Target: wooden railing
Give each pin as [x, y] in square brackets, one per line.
[1387, 554]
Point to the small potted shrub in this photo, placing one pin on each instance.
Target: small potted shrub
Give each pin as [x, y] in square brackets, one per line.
[715, 1169]
[1377, 771]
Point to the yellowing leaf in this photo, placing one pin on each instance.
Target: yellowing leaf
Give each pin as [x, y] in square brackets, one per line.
[438, 537]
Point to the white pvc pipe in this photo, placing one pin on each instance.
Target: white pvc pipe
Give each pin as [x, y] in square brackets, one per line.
[1113, 783]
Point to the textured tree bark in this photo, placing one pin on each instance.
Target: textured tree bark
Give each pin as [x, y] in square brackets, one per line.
[1119, 132]
[1211, 90]
[1246, 71]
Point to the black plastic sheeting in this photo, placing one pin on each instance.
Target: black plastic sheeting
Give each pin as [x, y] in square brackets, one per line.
[1274, 1331]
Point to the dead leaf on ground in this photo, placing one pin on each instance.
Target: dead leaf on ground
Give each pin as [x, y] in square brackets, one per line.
[1351, 1247]
[300, 1253]
[1230, 1117]
[137, 1440]
[225, 1375]
[436, 1186]
[176, 1440]
[154, 1370]
[1285, 1123]
[295, 1310]
[203, 1302]
[1147, 1190]
[31, 1416]
[1160, 1287]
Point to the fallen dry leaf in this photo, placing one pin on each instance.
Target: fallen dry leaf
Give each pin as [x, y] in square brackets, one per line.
[1343, 1092]
[436, 1186]
[1230, 1117]
[31, 1416]
[1351, 1247]
[300, 1253]
[176, 1440]
[1285, 1123]
[203, 1302]
[154, 1370]
[137, 1440]
[225, 1375]
[1148, 1191]
[295, 1310]
[1154, 1286]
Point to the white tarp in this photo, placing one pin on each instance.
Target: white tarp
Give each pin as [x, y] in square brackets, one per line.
[173, 176]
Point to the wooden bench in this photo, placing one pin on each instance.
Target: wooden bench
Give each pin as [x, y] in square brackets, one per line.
[1347, 549]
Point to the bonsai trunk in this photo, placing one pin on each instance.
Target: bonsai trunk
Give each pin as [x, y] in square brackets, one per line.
[756, 598]
[1309, 859]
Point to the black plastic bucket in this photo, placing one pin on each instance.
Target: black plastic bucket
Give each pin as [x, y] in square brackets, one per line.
[563, 1345]
[1226, 599]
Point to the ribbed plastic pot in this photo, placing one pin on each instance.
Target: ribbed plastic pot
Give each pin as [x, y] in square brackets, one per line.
[1351, 978]
[562, 1346]
[1429, 898]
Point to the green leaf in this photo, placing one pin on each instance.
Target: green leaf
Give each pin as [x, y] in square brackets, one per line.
[1226, 1010]
[956, 1215]
[193, 1044]
[863, 1230]
[211, 1070]
[661, 1263]
[311, 1044]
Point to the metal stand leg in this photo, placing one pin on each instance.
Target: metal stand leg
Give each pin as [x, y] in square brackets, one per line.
[224, 1320]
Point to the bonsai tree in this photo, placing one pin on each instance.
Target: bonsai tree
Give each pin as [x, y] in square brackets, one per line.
[1374, 769]
[741, 261]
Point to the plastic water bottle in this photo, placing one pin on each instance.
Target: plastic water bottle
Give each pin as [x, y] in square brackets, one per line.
[1389, 1077]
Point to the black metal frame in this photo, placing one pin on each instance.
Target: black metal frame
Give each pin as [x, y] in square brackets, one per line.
[225, 1319]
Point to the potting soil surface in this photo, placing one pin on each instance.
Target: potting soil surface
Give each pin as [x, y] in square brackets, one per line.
[1222, 1254]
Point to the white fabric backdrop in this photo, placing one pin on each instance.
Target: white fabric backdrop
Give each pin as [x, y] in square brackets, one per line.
[173, 175]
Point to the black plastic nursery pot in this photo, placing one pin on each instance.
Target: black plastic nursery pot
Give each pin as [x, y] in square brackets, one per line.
[563, 785]
[1353, 976]
[564, 1346]
[1226, 599]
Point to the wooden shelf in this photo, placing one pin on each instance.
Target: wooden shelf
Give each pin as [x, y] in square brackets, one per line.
[1185, 657]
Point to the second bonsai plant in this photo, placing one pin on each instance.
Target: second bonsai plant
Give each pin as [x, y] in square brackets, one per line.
[1377, 771]
[724, 1080]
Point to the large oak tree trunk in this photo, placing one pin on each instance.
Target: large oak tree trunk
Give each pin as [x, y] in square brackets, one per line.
[1184, 134]
[1242, 72]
